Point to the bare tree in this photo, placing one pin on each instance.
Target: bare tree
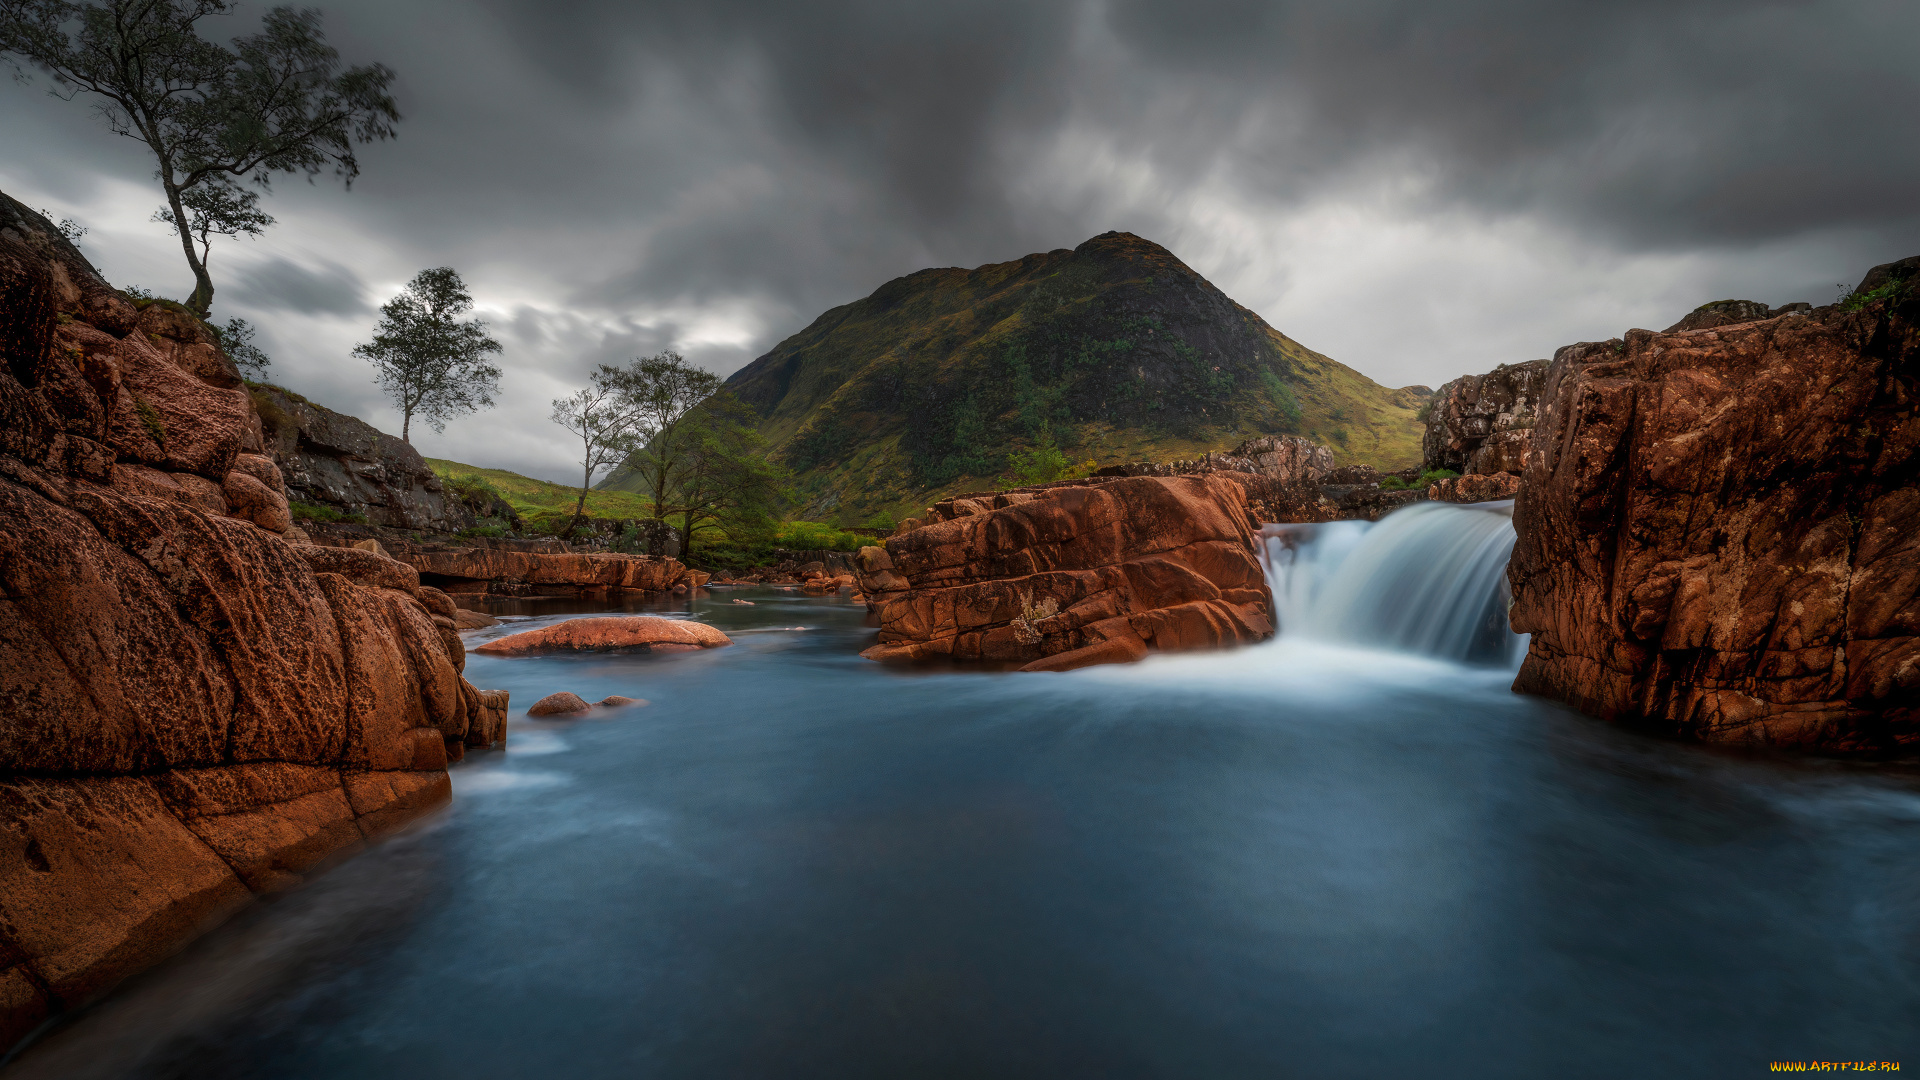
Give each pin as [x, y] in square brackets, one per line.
[430, 362]
[277, 101]
[606, 419]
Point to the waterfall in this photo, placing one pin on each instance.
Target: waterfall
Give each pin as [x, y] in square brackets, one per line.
[1428, 579]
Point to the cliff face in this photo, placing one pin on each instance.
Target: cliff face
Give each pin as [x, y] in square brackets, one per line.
[344, 463]
[193, 710]
[1116, 348]
[1719, 526]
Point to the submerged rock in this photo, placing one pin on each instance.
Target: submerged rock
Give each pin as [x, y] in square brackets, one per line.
[635, 632]
[563, 703]
[615, 701]
[1717, 530]
[473, 620]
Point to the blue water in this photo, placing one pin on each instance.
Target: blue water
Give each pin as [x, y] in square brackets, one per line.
[1284, 861]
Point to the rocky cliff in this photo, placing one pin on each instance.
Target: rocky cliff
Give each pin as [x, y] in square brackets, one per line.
[343, 463]
[1073, 574]
[1719, 525]
[193, 710]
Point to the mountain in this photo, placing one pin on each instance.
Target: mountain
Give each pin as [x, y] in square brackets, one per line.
[1116, 350]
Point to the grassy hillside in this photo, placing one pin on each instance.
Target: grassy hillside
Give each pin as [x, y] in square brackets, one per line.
[531, 498]
[1116, 350]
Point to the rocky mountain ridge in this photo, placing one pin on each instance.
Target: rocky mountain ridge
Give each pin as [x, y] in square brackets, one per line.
[1116, 350]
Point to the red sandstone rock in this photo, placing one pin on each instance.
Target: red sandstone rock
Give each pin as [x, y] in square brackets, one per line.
[561, 704]
[1073, 575]
[1479, 423]
[473, 620]
[614, 701]
[194, 712]
[1473, 489]
[1717, 531]
[640, 573]
[641, 632]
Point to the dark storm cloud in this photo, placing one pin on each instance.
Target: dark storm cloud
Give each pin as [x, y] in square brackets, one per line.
[280, 284]
[1652, 124]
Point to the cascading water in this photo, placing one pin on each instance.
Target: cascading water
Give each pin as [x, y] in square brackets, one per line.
[1428, 579]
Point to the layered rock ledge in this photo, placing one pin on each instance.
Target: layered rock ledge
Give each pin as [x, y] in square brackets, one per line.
[1719, 526]
[505, 571]
[1072, 574]
[193, 709]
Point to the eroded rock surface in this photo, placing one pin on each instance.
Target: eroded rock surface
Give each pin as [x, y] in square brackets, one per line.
[630, 632]
[1479, 423]
[483, 569]
[342, 462]
[1719, 530]
[1069, 575]
[193, 710]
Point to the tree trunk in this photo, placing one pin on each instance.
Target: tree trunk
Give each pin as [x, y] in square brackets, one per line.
[201, 302]
[406, 425]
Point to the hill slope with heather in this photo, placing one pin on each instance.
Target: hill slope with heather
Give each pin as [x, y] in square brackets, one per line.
[1116, 350]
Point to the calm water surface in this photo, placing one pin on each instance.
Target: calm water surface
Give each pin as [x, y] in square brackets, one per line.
[1282, 861]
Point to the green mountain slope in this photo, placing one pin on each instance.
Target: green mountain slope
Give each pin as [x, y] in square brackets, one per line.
[1116, 349]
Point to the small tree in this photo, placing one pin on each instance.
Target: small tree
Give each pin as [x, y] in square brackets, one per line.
[665, 389]
[277, 101]
[726, 481]
[606, 419]
[237, 339]
[218, 209]
[430, 362]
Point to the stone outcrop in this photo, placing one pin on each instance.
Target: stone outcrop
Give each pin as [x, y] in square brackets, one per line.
[1732, 312]
[1072, 574]
[193, 710]
[630, 633]
[1475, 488]
[1719, 530]
[501, 570]
[1479, 423]
[343, 463]
[1285, 458]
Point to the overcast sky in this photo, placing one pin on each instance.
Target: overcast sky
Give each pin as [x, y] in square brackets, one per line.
[1418, 190]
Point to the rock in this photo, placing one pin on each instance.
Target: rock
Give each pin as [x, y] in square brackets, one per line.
[1097, 572]
[630, 632]
[614, 701]
[563, 703]
[456, 569]
[196, 713]
[370, 545]
[337, 461]
[473, 620]
[1478, 422]
[362, 567]
[1474, 489]
[1717, 531]
[250, 499]
[1285, 458]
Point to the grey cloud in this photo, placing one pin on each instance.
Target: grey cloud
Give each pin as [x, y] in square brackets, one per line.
[280, 284]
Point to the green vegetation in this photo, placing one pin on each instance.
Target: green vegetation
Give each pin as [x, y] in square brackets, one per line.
[1854, 301]
[530, 497]
[302, 511]
[950, 380]
[1419, 483]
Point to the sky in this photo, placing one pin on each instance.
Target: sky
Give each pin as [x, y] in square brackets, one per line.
[1417, 190]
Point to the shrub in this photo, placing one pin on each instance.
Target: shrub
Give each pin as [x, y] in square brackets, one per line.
[305, 511]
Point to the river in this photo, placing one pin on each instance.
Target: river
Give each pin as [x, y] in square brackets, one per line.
[1299, 859]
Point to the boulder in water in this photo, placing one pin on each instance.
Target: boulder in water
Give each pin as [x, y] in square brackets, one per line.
[1069, 575]
[473, 620]
[615, 701]
[647, 633]
[564, 703]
